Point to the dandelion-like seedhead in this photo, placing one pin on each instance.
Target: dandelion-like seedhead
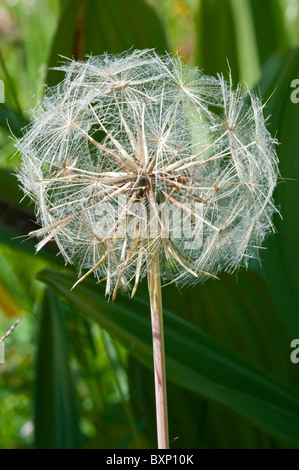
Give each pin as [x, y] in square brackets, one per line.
[138, 154]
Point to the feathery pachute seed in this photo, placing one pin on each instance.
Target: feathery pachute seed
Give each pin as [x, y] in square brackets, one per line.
[135, 154]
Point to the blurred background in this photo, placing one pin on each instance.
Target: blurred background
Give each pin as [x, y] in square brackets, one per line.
[78, 371]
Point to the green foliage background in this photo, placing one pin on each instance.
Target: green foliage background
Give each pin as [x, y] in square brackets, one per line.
[78, 371]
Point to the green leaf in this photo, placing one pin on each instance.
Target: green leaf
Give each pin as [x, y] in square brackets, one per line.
[268, 26]
[11, 121]
[236, 31]
[194, 360]
[188, 425]
[12, 223]
[94, 27]
[199, 424]
[281, 260]
[17, 219]
[56, 418]
[241, 315]
[14, 214]
[10, 191]
[8, 237]
[217, 37]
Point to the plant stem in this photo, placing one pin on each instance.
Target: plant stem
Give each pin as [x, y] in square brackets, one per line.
[155, 295]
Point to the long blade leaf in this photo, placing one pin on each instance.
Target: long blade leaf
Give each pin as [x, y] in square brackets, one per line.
[194, 360]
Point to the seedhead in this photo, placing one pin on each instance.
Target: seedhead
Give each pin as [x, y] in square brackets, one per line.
[137, 155]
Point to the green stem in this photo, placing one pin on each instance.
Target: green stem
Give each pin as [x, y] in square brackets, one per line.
[155, 295]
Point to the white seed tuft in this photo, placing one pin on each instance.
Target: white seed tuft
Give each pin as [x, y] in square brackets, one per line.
[136, 153]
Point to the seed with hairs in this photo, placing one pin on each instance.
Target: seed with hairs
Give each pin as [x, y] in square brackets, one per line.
[137, 154]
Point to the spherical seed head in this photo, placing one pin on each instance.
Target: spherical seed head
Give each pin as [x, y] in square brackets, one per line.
[138, 154]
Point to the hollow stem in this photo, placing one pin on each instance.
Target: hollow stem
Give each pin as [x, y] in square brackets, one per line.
[155, 295]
